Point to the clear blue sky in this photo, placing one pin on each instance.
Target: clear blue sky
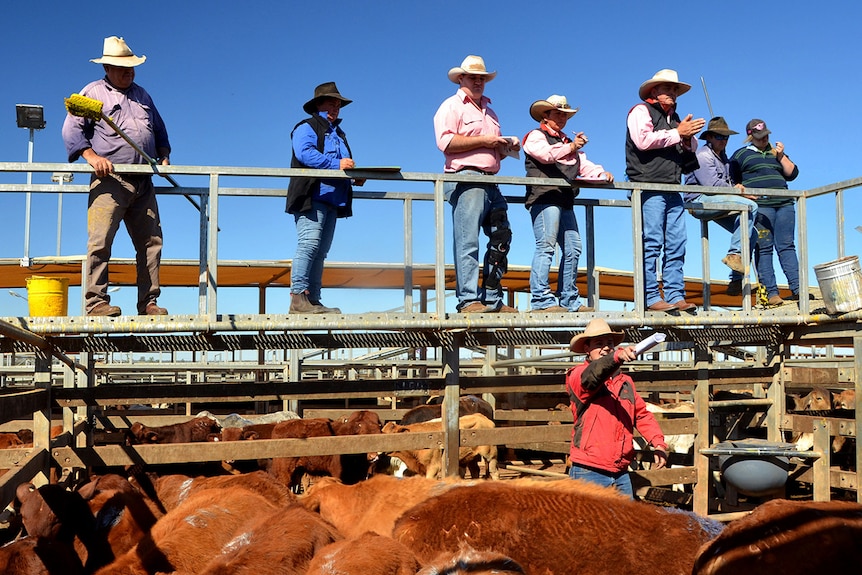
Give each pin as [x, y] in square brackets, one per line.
[230, 80]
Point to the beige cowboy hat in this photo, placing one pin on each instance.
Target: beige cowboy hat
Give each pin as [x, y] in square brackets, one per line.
[596, 328]
[717, 125]
[471, 65]
[555, 102]
[325, 90]
[117, 53]
[665, 76]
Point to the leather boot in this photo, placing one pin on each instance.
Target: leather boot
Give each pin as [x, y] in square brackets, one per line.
[299, 303]
[327, 309]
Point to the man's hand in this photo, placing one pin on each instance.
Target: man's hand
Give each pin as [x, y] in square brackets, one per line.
[347, 163]
[102, 166]
[659, 458]
[689, 127]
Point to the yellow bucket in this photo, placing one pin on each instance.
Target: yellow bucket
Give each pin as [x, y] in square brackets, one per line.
[47, 296]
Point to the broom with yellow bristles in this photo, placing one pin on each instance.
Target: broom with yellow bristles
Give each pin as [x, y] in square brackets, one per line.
[91, 109]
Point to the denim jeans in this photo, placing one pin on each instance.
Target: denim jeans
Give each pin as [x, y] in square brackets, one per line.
[552, 226]
[779, 229]
[621, 481]
[314, 232]
[472, 203]
[663, 228]
[730, 222]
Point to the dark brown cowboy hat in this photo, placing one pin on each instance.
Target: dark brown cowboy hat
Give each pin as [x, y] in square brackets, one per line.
[717, 126]
[325, 90]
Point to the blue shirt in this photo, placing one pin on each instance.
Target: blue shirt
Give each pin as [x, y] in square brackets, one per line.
[132, 110]
[332, 191]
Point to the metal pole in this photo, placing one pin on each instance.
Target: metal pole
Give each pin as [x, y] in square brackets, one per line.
[25, 261]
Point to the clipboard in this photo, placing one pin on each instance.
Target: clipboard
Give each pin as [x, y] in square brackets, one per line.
[388, 169]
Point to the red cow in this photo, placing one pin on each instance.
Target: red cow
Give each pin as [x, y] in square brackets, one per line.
[469, 561]
[30, 556]
[192, 534]
[280, 542]
[354, 466]
[555, 530]
[10, 441]
[194, 430]
[466, 405]
[369, 554]
[253, 431]
[790, 538]
[170, 491]
[844, 399]
[371, 505]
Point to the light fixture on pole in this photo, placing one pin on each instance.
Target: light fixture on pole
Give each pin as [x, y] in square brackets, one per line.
[32, 117]
[60, 178]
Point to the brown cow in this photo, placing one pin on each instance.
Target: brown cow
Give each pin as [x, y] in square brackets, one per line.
[194, 430]
[192, 534]
[467, 405]
[253, 431]
[369, 554]
[170, 491]
[844, 399]
[552, 530]
[10, 441]
[30, 556]
[371, 505]
[280, 542]
[469, 561]
[430, 461]
[790, 538]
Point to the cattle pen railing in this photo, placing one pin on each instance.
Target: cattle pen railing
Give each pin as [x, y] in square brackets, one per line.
[711, 335]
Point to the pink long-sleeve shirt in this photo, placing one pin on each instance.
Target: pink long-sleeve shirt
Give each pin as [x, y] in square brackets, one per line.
[536, 145]
[458, 115]
[640, 128]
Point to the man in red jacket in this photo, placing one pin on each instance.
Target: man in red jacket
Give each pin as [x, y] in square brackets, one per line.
[606, 409]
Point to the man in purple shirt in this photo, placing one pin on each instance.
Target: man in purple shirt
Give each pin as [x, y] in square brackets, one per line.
[114, 197]
[468, 133]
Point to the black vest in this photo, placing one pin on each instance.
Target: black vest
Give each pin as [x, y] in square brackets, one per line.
[662, 166]
[562, 196]
[300, 190]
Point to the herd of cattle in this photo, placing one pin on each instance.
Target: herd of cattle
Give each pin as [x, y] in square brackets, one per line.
[352, 520]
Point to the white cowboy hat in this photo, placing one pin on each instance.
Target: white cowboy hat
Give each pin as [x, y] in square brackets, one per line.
[471, 65]
[555, 102]
[596, 328]
[665, 76]
[117, 53]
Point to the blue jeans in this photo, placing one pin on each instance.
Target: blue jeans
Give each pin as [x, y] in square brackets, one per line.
[779, 229]
[552, 226]
[314, 232]
[663, 228]
[730, 222]
[472, 205]
[621, 480]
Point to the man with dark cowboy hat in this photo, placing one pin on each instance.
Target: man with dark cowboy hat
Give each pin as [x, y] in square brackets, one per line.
[657, 145]
[550, 153]
[714, 170]
[468, 133]
[316, 203]
[116, 198]
[606, 409]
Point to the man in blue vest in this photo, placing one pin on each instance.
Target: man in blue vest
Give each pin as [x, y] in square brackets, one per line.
[660, 148]
[316, 203]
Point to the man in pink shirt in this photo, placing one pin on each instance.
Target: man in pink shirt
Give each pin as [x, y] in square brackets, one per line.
[468, 134]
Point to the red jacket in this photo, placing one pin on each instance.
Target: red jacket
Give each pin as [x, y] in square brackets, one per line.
[607, 408]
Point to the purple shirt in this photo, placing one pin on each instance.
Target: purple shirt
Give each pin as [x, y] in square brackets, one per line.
[132, 110]
[458, 115]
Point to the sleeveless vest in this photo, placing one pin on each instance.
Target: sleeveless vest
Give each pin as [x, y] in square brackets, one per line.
[661, 166]
[562, 196]
[301, 190]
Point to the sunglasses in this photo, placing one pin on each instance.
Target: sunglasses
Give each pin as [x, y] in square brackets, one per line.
[720, 138]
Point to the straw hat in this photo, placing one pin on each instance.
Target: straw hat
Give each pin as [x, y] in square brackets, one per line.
[471, 65]
[539, 107]
[665, 76]
[325, 90]
[117, 53]
[717, 125]
[596, 328]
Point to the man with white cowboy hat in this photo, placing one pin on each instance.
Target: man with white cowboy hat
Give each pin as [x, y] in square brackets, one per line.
[116, 198]
[714, 170]
[318, 142]
[659, 149]
[607, 408]
[468, 133]
[550, 153]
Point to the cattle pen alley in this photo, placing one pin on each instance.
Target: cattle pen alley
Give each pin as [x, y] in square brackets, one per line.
[743, 370]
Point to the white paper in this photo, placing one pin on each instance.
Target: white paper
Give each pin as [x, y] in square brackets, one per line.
[512, 150]
[649, 343]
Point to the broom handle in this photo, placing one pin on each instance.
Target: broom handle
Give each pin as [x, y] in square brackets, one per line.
[147, 157]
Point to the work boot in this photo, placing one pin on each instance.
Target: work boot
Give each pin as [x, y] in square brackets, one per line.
[104, 309]
[734, 287]
[734, 262]
[299, 303]
[153, 309]
[327, 309]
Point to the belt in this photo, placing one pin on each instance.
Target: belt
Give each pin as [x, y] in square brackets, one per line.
[472, 169]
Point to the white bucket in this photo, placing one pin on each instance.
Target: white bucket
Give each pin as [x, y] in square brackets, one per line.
[841, 284]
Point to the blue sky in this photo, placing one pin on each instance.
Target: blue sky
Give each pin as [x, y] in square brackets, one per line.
[230, 80]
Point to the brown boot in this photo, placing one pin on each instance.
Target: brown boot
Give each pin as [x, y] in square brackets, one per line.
[299, 304]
